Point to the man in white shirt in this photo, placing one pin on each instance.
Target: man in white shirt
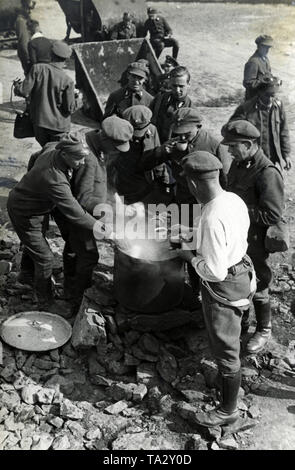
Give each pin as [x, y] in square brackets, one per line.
[226, 272]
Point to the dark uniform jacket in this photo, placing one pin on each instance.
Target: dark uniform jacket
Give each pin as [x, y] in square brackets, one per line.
[52, 98]
[254, 71]
[40, 50]
[260, 184]
[158, 28]
[163, 107]
[132, 181]
[274, 137]
[23, 38]
[123, 98]
[45, 187]
[203, 141]
[123, 31]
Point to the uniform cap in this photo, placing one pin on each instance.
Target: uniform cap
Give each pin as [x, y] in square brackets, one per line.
[201, 165]
[270, 83]
[139, 116]
[239, 131]
[73, 145]
[152, 11]
[265, 40]
[61, 49]
[185, 119]
[127, 16]
[119, 131]
[138, 68]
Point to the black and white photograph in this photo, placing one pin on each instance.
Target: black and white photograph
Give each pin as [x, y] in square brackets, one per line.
[147, 229]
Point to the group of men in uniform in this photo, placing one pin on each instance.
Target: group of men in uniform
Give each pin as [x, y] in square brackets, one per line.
[155, 149]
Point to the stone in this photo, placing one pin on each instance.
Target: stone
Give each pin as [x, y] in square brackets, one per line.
[194, 442]
[56, 421]
[69, 351]
[45, 365]
[130, 360]
[242, 424]
[131, 337]
[254, 412]
[141, 355]
[20, 358]
[89, 328]
[61, 443]
[65, 385]
[30, 361]
[93, 434]
[149, 343]
[229, 443]
[117, 368]
[167, 366]
[146, 373]
[165, 404]
[149, 441]
[26, 443]
[249, 372]
[5, 267]
[214, 432]
[117, 408]
[3, 435]
[45, 396]
[5, 255]
[139, 393]
[3, 414]
[70, 411]
[10, 400]
[116, 341]
[11, 425]
[214, 446]
[133, 412]
[121, 391]
[45, 428]
[193, 396]
[94, 367]
[8, 373]
[76, 429]
[44, 442]
[186, 411]
[29, 394]
[101, 380]
[154, 397]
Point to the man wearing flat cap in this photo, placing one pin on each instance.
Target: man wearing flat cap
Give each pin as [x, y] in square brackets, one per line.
[258, 68]
[108, 143]
[45, 187]
[160, 33]
[126, 29]
[131, 94]
[187, 136]
[259, 183]
[268, 115]
[227, 275]
[52, 96]
[133, 182]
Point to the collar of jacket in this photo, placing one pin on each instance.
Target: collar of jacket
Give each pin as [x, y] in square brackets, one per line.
[38, 34]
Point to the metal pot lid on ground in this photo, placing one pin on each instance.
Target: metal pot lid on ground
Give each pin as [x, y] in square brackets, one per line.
[36, 331]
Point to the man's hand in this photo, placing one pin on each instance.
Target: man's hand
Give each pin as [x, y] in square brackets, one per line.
[185, 253]
[288, 164]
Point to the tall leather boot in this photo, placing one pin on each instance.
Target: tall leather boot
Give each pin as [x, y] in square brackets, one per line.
[263, 328]
[45, 299]
[227, 412]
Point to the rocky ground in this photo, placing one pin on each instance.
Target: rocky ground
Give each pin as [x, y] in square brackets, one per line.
[129, 384]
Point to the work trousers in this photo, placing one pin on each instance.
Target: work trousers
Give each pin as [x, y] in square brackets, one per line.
[37, 255]
[43, 136]
[223, 322]
[160, 43]
[260, 257]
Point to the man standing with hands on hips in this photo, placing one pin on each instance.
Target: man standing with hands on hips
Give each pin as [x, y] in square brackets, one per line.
[226, 272]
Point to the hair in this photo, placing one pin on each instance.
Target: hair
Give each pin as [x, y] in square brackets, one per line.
[180, 71]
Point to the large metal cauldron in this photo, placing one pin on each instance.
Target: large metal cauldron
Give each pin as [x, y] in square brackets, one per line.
[148, 277]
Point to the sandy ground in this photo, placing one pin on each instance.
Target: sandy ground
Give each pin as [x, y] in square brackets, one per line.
[216, 40]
